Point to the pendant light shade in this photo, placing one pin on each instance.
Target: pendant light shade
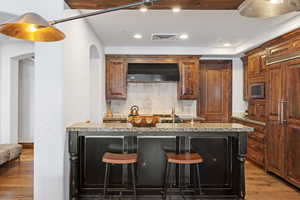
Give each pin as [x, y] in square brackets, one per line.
[268, 8]
[32, 27]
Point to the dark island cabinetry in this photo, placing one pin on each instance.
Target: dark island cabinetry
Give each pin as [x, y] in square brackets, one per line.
[223, 150]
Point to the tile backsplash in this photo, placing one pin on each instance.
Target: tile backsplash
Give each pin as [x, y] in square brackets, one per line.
[154, 98]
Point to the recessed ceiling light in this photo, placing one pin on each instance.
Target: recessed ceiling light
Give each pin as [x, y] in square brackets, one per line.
[143, 9]
[176, 9]
[276, 1]
[227, 44]
[138, 36]
[183, 36]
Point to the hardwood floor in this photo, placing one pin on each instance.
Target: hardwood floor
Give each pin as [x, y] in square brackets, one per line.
[16, 180]
[262, 186]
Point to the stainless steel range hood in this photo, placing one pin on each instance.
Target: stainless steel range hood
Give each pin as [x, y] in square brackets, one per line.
[152, 72]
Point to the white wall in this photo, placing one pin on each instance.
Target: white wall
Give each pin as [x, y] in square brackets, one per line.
[84, 78]
[26, 101]
[11, 52]
[49, 131]
[238, 103]
[80, 86]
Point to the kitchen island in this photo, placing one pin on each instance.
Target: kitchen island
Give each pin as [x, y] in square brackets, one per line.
[222, 145]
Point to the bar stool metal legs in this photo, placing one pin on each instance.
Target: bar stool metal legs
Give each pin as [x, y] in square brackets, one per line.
[133, 180]
[119, 159]
[106, 179]
[166, 181]
[193, 160]
[198, 178]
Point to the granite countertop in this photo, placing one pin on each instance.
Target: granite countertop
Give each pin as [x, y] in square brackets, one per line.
[124, 117]
[240, 116]
[164, 127]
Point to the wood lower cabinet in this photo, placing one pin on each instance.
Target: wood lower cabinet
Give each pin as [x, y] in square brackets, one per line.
[283, 138]
[293, 155]
[214, 102]
[257, 110]
[152, 153]
[116, 78]
[256, 143]
[275, 148]
[188, 84]
[291, 121]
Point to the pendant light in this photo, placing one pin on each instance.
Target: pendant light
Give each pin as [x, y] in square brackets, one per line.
[268, 8]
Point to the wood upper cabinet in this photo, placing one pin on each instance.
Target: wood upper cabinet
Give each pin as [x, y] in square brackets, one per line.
[188, 84]
[291, 120]
[256, 64]
[214, 103]
[116, 78]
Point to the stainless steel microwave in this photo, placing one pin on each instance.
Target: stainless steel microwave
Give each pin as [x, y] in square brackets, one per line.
[257, 90]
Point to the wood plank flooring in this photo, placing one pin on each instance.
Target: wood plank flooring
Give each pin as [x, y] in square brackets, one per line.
[16, 182]
[16, 178]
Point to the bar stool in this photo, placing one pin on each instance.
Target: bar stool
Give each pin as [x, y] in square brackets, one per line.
[119, 159]
[182, 159]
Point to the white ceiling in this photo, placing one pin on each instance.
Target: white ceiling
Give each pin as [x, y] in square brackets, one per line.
[206, 29]
[3, 18]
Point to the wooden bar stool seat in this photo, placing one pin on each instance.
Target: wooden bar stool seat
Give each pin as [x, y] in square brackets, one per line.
[114, 158]
[186, 158]
[119, 159]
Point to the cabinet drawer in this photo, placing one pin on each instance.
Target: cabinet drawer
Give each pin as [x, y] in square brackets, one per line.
[256, 156]
[255, 145]
[257, 136]
[279, 50]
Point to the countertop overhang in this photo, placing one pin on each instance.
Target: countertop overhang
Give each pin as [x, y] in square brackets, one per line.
[163, 127]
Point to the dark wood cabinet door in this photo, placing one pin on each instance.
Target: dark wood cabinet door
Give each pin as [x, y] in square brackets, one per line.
[188, 84]
[254, 65]
[275, 131]
[152, 153]
[116, 84]
[257, 110]
[214, 103]
[292, 121]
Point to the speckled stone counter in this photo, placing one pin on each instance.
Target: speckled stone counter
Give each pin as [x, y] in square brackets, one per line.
[222, 145]
[119, 128]
[241, 117]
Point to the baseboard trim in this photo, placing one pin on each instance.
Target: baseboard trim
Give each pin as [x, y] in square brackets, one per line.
[27, 145]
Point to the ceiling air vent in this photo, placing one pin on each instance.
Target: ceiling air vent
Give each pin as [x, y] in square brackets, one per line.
[164, 37]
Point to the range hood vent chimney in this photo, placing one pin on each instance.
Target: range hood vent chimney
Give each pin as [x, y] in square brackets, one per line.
[152, 72]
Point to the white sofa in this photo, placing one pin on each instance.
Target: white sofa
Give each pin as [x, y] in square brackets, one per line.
[9, 152]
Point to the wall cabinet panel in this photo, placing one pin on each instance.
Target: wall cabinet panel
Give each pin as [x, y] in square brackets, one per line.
[188, 84]
[116, 83]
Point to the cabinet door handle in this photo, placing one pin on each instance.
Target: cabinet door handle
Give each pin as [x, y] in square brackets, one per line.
[279, 112]
[283, 111]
